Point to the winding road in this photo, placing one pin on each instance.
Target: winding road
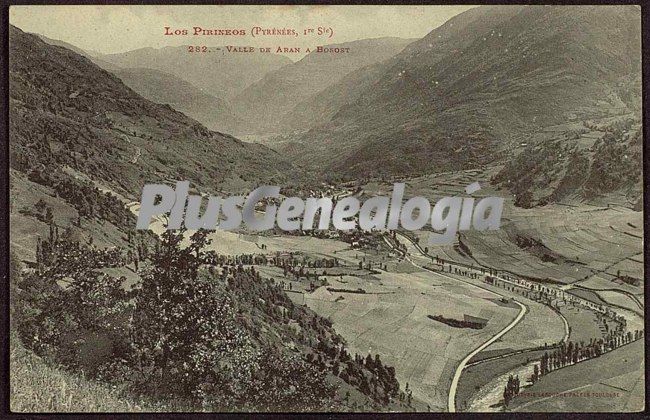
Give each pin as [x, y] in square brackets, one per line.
[463, 363]
[451, 402]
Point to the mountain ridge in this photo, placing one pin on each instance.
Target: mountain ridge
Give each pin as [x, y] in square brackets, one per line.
[272, 98]
[465, 93]
[86, 118]
[236, 70]
[165, 88]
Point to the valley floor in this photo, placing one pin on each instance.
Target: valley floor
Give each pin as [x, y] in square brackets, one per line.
[391, 317]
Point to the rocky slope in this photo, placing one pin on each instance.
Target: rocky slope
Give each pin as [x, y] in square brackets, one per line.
[66, 111]
[471, 89]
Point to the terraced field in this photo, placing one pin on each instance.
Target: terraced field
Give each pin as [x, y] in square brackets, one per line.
[570, 247]
[391, 319]
[586, 242]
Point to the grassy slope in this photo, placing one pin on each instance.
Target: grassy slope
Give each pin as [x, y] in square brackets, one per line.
[165, 88]
[620, 371]
[39, 387]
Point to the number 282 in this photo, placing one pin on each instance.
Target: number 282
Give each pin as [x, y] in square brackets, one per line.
[197, 48]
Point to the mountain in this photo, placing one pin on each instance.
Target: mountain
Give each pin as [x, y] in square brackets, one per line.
[82, 145]
[275, 100]
[484, 81]
[92, 55]
[165, 88]
[66, 112]
[64, 44]
[596, 162]
[219, 73]
[323, 105]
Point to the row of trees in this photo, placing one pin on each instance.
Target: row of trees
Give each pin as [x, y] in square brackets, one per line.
[567, 354]
[572, 353]
[289, 262]
[511, 390]
[458, 323]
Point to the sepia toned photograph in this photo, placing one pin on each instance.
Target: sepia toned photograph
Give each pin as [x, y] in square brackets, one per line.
[325, 209]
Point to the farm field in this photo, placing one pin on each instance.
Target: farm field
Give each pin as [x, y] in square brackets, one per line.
[541, 325]
[481, 386]
[584, 323]
[391, 319]
[611, 382]
[614, 297]
[583, 240]
[571, 245]
[603, 281]
[386, 313]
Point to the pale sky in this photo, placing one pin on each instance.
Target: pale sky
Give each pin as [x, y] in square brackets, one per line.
[110, 29]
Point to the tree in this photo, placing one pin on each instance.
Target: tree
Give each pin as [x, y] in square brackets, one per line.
[544, 364]
[535, 376]
[369, 362]
[183, 326]
[511, 389]
[40, 206]
[84, 317]
[377, 361]
[49, 217]
[524, 199]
